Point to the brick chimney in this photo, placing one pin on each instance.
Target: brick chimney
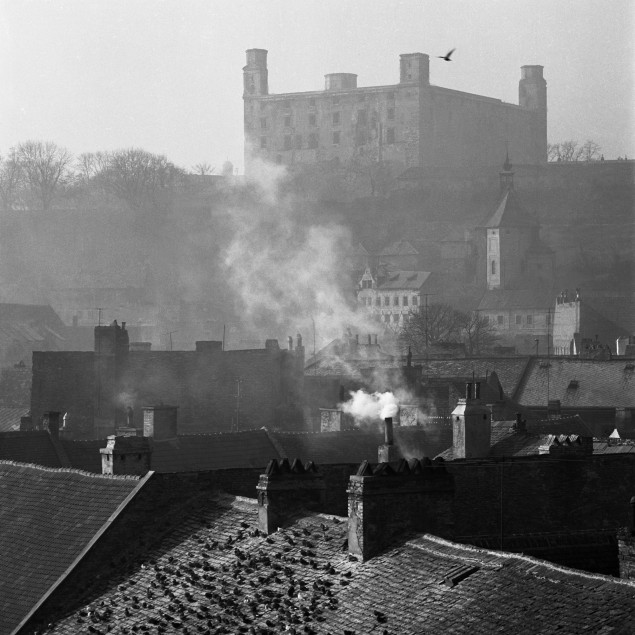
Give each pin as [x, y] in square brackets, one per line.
[388, 452]
[385, 503]
[286, 488]
[471, 425]
[126, 455]
[160, 422]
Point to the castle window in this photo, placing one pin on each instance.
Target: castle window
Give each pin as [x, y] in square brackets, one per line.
[313, 140]
[390, 135]
[530, 319]
[312, 119]
[287, 121]
[519, 319]
[500, 319]
[336, 118]
[298, 142]
[395, 301]
[493, 268]
[390, 114]
[362, 117]
[287, 142]
[263, 142]
[336, 138]
[404, 300]
[263, 123]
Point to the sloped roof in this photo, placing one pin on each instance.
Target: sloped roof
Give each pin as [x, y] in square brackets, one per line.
[10, 418]
[399, 248]
[413, 280]
[506, 442]
[32, 446]
[602, 446]
[539, 299]
[509, 213]
[30, 322]
[232, 579]
[47, 519]
[600, 383]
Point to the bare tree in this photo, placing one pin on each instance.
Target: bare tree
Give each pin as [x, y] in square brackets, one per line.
[90, 164]
[590, 150]
[203, 169]
[142, 179]
[46, 166]
[11, 180]
[432, 325]
[553, 151]
[478, 333]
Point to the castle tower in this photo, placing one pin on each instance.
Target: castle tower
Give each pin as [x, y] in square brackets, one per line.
[532, 94]
[255, 74]
[414, 68]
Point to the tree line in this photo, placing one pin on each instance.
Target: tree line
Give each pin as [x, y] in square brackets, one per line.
[572, 150]
[442, 323]
[33, 173]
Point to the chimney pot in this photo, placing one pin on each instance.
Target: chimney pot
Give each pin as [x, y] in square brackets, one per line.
[468, 390]
[388, 431]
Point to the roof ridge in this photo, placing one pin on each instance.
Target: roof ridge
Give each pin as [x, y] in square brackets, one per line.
[45, 468]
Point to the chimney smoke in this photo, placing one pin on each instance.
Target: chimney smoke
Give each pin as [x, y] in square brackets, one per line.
[388, 432]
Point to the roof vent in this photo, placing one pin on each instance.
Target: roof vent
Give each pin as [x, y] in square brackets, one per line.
[573, 384]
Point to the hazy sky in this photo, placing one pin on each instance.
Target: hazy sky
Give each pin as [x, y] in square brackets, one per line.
[167, 75]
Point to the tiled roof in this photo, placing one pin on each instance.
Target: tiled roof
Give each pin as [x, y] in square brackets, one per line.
[506, 442]
[509, 213]
[218, 574]
[520, 299]
[412, 280]
[47, 518]
[602, 446]
[33, 446]
[10, 418]
[600, 383]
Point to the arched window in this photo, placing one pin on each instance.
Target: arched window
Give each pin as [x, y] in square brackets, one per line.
[493, 267]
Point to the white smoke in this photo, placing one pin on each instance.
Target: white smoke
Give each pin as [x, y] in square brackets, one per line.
[368, 407]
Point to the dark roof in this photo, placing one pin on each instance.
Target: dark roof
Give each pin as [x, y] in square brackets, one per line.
[216, 573]
[520, 299]
[30, 322]
[600, 383]
[10, 418]
[539, 436]
[412, 280]
[33, 446]
[509, 213]
[602, 446]
[47, 518]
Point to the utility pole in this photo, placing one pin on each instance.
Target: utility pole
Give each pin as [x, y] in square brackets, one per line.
[238, 381]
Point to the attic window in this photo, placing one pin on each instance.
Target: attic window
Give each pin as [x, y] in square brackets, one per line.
[573, 384]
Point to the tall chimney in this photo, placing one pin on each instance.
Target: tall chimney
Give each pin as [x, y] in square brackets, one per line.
[388, 451]
[51, 423]
[471, 427]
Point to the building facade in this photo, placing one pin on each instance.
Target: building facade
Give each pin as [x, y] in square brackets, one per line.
[411, 124]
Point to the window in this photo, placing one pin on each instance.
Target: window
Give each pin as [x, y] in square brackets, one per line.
[298, 142]
[263, 123]
[530, 319]
[313, 140]
[500, 319]
[519, 319]
[312, 119]
[336, 138]
[390, 114]
[336, 118]
[404, 300]
[386, 301]
[287, 121]
[395, 300]
[263, 142]
[415, 300]
[287, 142]
[390, 135]
[377, 301]
[493, 267]
[362, 117]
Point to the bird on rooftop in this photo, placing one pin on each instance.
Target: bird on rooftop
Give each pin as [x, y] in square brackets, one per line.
[446, 57]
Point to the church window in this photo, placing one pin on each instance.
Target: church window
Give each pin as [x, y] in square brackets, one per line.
[493, 267]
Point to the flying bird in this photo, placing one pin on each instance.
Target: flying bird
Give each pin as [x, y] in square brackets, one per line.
[446, 57]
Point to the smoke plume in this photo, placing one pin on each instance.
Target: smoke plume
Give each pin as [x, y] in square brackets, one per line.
[370, 407]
